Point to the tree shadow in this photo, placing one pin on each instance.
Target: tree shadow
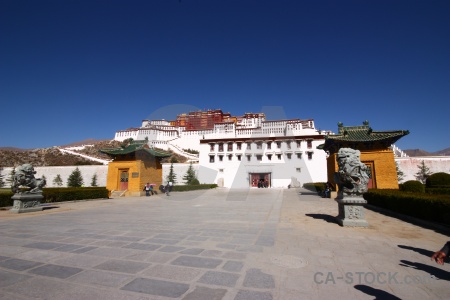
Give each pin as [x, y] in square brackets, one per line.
[379, 294]
[328, 218]
[433, 271]
[425, 252]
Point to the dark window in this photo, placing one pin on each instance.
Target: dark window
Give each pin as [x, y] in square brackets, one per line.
[211, 158]
[269, 145]
[220, 157]
[221, 147]
[249, 157]
[269, 156]
[239, 157]
[298, 143]
[259, 146]
[230, 147]
[310, 155]
[258, 157]
[279, 156]
[211, 147]
[230, 156]
[278, 145]
[249, 146]
[309, 144]
[299, 155]
[288, 145]
[289, 155]
[239, 146]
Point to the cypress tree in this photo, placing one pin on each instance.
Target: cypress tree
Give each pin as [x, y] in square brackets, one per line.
[75, 179]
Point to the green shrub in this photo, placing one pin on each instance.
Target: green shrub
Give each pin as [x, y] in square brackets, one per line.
[413, 186]
[184, 188]
[435, 208]
[70, 194]
[315, 186]
[52, 195]
[438, 191]
[438, 180]
[5, 198]
[194, 182]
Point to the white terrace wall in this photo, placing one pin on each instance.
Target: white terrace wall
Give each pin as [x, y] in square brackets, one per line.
[87, 172]
[409, 165]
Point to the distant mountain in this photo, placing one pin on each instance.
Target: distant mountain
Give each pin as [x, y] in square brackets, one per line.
[419, 152]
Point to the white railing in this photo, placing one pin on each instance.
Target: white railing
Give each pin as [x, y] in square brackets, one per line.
[103, 161]
[398, 152]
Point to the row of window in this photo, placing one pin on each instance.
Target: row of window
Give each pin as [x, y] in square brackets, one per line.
[277, 144]
[259, 157]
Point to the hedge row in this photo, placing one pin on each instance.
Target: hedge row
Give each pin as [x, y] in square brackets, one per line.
[52, 195]
[428, 207]
[184, 188]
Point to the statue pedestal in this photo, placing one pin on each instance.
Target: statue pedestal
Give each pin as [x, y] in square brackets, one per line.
[26, 203]
[351, 212]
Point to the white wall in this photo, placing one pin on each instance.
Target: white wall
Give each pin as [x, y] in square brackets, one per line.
[180, 170]
[409, 165]
[51, 172]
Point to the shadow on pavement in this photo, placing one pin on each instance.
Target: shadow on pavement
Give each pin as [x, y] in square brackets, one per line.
[433, 271]
[379, 294]
[425, 252]
[328, 218]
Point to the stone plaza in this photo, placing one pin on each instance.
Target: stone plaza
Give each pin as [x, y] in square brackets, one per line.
[216, 244]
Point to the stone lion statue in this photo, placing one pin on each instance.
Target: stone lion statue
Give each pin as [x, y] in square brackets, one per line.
[24, 177]
[352, 177]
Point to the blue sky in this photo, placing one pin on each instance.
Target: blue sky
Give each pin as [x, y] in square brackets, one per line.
[74, 69]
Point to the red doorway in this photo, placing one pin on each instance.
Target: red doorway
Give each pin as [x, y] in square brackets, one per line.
[261, 180]
[123, 184]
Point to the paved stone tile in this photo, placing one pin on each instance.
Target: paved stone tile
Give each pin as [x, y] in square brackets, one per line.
[233, 266]
[9, 278]
[40, 287]
[112, 252]
[266, 240]
[170, 236]
[81, 260]
[84, 249]
[124, 266]
[197, 262]
[55, 271]
[197, 238]
[205, 293]
[212, 253]
[234, 255]
[141, 246]
[171, 249]
[226, 246]
[68, 248]
[253, 295]
[161, 241]
[4, 258]
[219, 278]
[157, 287]
[44, 245]
[101, 278]
[250, 248]
[154, 257]
[255, 278]
[19, 264]
[41, 255]
[171, 272]
[192, 251]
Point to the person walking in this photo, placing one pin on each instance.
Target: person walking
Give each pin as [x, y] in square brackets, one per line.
[147, 189]
[168, 188]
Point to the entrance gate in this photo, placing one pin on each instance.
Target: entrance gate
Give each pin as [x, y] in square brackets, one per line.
[260, 180]
[123, 184]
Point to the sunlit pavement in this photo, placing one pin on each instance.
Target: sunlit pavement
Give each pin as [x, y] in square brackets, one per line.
[215, 244]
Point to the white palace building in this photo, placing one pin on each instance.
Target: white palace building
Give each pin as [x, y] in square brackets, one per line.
[240, 152]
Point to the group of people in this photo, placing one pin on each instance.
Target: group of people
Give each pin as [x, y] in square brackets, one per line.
[148, 188]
